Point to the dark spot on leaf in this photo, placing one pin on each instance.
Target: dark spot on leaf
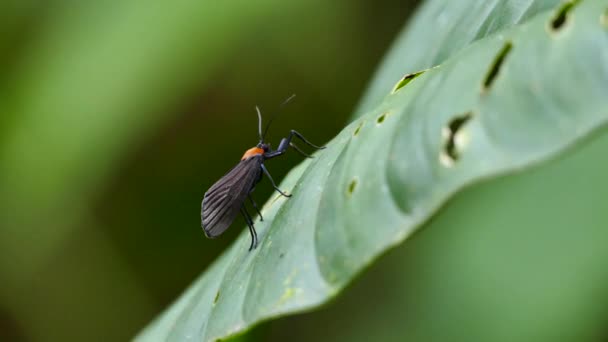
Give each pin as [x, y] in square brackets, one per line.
[281, 255]
[495, 69]
[381, 118]
[561, 17]
[405, 80]
[358, 129]
[217, 297]
[352, 186]
[450, 148]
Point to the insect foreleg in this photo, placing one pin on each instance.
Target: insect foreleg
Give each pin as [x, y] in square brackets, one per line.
[295, 147]
[301, 137]
[286, 142]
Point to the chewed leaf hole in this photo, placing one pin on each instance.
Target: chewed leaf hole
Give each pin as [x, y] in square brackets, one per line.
[561, 17]
[217, 297]
[352, 186]
[454, 139]
[358, 129]
[495, 68]
[405, 80]
[381, 118]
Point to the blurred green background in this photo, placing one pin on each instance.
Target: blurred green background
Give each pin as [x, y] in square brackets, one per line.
[115, 117]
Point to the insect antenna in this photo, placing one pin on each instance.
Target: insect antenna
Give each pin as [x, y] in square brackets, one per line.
[275, 114]
[259, 124]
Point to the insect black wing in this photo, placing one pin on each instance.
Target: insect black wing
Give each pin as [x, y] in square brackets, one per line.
[222, 202]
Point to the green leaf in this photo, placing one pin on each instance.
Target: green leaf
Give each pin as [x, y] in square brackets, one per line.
[505, 103]
[520, 257]
[438, 31]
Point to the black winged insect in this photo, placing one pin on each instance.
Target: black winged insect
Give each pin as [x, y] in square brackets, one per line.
[226, 198]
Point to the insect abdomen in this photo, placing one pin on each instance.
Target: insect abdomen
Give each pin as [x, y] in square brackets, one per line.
[221, 204]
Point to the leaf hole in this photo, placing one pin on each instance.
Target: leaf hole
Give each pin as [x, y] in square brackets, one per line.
[217, 297]
[454, 140]
[352, 186]
[381, 118]
[498, 62]
[358, 129]
[405, 80]
[562, 15]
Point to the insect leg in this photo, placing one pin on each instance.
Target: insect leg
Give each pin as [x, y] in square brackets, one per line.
[252, 232]
[304, 139]
[286, 142]
[272, 181]
[255, 234]
[295, 147]
[255, 206]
